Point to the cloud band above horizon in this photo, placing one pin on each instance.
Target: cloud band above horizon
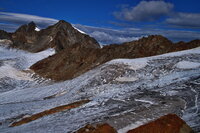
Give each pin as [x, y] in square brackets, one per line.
[19, 19]
[11, 21]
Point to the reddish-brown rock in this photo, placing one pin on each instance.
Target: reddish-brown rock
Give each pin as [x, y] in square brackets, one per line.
[105, 128]
[170, 123]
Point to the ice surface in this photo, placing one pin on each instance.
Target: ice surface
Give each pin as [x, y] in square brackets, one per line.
[11, 72]
[133, 64]
[126, 79]
[14, 68]
[187, 65]
[144, 101]
[26, 59]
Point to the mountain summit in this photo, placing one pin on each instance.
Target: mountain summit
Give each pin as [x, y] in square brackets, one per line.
[59, 36]
[30, 27]
[64, 35]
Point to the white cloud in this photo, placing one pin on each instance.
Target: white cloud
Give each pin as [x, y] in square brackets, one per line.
[186, 20]
[145, 11]
[17, 18]
[108, 36]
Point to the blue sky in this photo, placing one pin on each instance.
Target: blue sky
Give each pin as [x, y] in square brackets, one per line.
[179, 18]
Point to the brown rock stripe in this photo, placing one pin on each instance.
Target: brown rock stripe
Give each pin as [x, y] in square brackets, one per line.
[48, 112]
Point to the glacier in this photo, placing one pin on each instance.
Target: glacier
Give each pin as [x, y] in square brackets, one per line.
[124, 93]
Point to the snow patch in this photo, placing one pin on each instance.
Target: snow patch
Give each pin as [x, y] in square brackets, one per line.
[133, 64]
[79, 30]
[5, 41]
[171, 93]
[179, 53]
[37, 29]
[51, 39]
[11, 72]
[126, 79]
[144, 101]
[187, 65]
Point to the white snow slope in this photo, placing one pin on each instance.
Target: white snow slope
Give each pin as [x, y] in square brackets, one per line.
[151, 87]
[14, 68]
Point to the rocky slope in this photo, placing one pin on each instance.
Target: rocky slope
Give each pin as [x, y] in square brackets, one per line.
[59, 36]
[76, 60]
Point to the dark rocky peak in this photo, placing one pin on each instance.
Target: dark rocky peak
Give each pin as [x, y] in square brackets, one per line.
[63, 22]
[64, 35]
[61, 26]
[30, 27]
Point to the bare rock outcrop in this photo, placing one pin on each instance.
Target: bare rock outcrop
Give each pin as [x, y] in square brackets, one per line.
[76, 60]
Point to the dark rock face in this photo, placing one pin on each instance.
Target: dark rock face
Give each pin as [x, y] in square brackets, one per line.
[59, 36]
[64, 36]
[77, 59]
[27, 28]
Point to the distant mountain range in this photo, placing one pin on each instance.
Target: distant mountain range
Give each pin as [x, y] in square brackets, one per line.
[77, 52]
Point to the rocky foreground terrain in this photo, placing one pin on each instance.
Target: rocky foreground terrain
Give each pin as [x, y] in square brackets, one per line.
[70, 82]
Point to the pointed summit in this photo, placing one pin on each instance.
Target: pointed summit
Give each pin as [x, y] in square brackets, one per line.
[63, 25]
[30, 27]
[64, 35]
[31, 24]
[63, 22]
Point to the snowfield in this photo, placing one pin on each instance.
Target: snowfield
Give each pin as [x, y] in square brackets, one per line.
[14, 68]
[125, 93]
